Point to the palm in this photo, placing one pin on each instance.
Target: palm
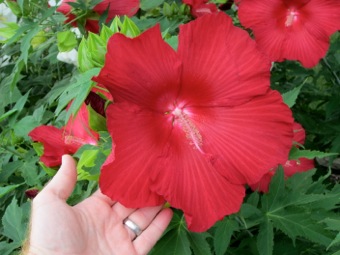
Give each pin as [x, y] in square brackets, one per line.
[94, 226]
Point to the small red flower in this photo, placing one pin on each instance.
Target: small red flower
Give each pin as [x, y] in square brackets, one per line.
[115, 7]
[200, 7]
[31, 193]
[66, 140]
[292, 29]
[291, 167]
[97, 99]
[191, 126]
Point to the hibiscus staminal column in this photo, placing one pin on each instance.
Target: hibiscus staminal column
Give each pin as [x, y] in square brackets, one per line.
[191, 126]
[181, 118]
[292, 16]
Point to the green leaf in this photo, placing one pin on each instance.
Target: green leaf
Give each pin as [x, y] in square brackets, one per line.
[77, 91]
[7, 189]
[97, 48]
[106, 33]
[336, 253]
[175, 240]
[253, 199]
[21, 102]
[8, 248]
[129, 28]
[38, 148]
[336, 241]
[19, 32]
[167, 10]
[223, 234]
[273, 199]
[84, 57]
[115, 25]
[8, 95]
[13, 5]
[150, 4]
[290, 97]
[26, 42]
[14, 222]
[265, 238]
[38, 39]
[25, 125]
[84, 85]
[8, 169]
[7, 114]
[66, 41]
[172, 41]
[9, 30]
[97, 122]
[296, 223]
[199, 243]
[87, 161]
[29, 172]
[296, 153]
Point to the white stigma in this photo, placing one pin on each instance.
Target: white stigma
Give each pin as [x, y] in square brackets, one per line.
[189, 128]
[291, 17]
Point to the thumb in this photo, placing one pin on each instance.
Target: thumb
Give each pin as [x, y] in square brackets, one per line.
[65, 179]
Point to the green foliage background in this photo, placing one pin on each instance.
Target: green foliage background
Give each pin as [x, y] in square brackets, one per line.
[297, 216]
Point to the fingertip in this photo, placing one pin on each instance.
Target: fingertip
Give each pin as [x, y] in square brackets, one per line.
[153, 232]
[63, 182]
[168, 213]
[67, 159]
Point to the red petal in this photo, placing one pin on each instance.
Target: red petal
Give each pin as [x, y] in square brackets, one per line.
[221, 65]
[77, 129]
[92, 26]
[323, 15]
[306, 40]
[248, 140]
[139, 137]
[259, 13]
[54, 146]
[202, 9]
[299, 133]
[118, 7]
[65, 9]
[308, 45]
[188, 180]
[297, 166]
[194, 2]
[263, 184]
[141, 69]
[291, 167]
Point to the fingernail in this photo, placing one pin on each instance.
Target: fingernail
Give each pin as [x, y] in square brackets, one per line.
[63, 158]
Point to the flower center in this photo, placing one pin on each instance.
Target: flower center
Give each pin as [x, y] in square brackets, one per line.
[188, 127]
[292, 16]
[70, 139]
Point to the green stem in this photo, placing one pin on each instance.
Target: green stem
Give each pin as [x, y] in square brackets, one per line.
[324, 61]
[12, 151]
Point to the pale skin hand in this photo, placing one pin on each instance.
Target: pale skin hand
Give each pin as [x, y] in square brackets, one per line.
[94, 226]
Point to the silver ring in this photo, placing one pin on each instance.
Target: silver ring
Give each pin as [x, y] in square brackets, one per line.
[133, 226]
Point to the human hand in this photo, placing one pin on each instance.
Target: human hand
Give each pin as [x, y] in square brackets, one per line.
[92, 227]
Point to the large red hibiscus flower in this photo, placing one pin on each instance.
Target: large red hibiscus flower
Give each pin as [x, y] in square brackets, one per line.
[65, 140]
[291, 167]
[292, 29]
[114, 7]
[191, 126]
